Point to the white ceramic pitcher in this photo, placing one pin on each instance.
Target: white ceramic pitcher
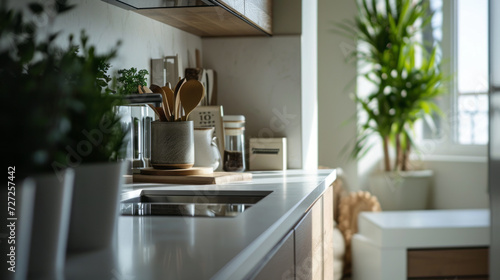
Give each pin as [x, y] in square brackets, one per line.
[206, 153]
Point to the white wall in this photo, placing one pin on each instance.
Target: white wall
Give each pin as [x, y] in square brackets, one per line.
[336, 79]
[142, 38]
[458, 182]
[272, 80]
[260, 78]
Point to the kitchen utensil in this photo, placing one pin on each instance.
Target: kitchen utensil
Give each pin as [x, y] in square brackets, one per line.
[203, 80]
[172, 145]
[158, 71]
[155, 88]
[177, 105]
[170, 99]
[199, 74]
[158, 110]
[161, 115]
[191, 93]
[166, 106]
[211, 86]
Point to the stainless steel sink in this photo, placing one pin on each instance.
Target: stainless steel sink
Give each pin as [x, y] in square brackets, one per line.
[189, 203]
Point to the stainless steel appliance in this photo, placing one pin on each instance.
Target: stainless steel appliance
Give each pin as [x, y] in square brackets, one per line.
[136, 116]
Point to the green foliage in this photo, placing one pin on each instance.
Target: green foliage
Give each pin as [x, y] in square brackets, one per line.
[404, 91]
[129, 79]
[95, 123]
[51, 95]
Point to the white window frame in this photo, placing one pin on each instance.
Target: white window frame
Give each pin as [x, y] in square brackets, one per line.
[448, 144]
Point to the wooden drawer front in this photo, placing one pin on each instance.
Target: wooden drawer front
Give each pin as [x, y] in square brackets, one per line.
[308, 245]
[450, 278]
[472, 262]
[328, 233]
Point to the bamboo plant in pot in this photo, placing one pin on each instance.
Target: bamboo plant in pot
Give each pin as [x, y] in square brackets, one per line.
[406, 78]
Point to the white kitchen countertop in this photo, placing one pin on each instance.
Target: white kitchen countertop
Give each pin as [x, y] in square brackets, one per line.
[155, 247]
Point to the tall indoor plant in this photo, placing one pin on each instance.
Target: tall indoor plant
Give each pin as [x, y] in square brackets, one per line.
[406, 77]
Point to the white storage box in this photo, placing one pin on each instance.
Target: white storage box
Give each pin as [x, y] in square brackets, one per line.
[267, 154]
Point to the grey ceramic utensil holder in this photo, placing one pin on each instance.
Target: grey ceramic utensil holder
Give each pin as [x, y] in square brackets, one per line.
[172, 144]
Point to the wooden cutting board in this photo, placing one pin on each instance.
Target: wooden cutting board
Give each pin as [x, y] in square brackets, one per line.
[178, 172]
[214, 178]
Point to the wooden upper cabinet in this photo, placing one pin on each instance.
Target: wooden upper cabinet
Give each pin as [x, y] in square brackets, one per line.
[225, 18]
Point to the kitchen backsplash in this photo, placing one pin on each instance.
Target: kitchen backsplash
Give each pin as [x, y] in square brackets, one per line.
[262, 81]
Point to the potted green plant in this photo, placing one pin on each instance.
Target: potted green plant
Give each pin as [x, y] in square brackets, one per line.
[35, 106]
[95, 148]
[404, 92]
[129, 79]
[61, 117]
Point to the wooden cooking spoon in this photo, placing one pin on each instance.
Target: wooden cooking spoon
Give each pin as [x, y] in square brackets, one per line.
[170, 99]
[191, 93]
[158, 111]
[177, 103]
[164, 99]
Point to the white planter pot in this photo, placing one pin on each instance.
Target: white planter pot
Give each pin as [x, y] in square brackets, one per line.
[405, 190]
[94, 209]
[25, 194]
[50, 225]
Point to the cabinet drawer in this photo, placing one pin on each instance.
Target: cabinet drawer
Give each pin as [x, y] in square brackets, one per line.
[308, 245]
[279, 264]
[471, 262]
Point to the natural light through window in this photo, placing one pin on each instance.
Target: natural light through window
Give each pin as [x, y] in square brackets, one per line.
[472, 71]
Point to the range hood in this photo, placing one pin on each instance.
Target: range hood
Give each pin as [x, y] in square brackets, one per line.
[155, 4]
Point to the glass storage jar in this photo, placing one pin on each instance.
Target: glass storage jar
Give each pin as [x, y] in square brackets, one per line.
[234, 143]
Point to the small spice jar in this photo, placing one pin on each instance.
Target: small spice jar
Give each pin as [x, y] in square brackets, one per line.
[234, 143]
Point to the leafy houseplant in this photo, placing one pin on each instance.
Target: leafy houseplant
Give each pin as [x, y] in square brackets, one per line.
[57, 97]
[59, 113]
[96, 134]
[129, 79]
[404, 90]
